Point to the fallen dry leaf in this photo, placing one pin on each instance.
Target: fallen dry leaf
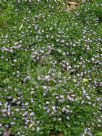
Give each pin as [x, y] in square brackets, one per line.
[73, 3]
[6, 133]
[60, 134]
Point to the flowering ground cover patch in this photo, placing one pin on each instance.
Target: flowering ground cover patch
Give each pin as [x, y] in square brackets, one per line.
[50, 69]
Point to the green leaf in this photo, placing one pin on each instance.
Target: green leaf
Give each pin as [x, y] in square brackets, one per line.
[99, 134]
[21, 26]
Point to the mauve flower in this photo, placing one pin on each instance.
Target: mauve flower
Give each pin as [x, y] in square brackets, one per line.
[0, 103]
[54, 108]
[70, 98]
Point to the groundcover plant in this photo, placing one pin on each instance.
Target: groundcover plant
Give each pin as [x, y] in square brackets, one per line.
[50, 68]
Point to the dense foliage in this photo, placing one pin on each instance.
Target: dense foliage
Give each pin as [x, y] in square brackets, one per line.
[50, 68]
